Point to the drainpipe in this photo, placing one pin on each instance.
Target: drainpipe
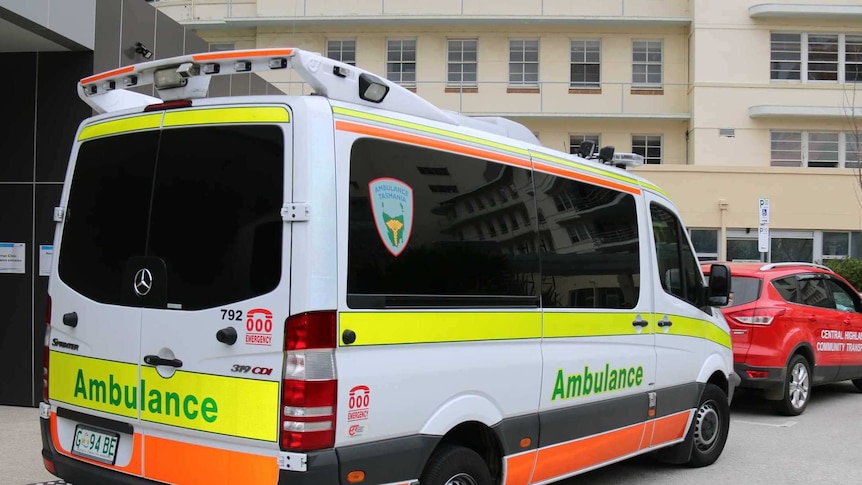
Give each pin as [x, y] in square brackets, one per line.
[722, 246]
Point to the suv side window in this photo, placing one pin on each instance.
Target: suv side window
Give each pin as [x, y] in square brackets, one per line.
[814, 292]
[787, 288]
[842, 297]
[676, 262]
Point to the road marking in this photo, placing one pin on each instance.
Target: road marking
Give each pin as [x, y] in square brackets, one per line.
[781, 425]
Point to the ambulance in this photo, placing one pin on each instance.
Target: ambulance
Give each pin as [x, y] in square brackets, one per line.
[350, 285]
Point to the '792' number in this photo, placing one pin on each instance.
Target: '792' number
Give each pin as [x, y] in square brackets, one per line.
[231, 314]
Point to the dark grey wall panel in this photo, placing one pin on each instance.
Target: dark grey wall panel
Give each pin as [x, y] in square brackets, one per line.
[59, 110]
[47, 197]
[138, 25]
[170, 37]
[258, 85]
[107, 49]
[16, 139]
[16, 300]
[219, 86]
[194, 44]
[240, 84]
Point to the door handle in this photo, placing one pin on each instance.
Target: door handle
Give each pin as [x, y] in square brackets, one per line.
[226, 335]
[70, 319]
[640, 322]
[156, 360]
[665, 322]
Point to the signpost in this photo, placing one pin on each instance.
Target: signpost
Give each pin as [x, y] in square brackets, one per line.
[763, 230]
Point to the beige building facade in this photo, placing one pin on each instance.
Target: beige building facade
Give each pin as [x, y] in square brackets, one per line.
[730, 102]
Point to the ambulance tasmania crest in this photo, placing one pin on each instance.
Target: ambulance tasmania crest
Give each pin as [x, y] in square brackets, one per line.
[392, 206]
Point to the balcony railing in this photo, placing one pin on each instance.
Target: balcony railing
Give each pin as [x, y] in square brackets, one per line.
[548, 99]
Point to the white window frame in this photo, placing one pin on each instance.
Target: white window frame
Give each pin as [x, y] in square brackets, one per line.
[523, 51]
[647, 138]
[580, 137]
[584, 62]
[803, 53]
[805, 145]
[340, 49]
[461, 62]
[390, 75]
[646, 84]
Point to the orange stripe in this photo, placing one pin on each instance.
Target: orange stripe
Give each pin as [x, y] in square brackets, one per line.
[429, 142]
[172, 461]
[648, 432]
[586, 178]
[520, 467]
[238, 54]
[133, 468]
[558, 460]
[107, 74]
[670, 428]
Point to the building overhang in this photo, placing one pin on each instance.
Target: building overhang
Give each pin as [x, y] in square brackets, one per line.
[310, 21]
[805, 11]
[587, 116]
[823, 112]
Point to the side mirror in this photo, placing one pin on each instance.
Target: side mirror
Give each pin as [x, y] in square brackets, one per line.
[718, 293]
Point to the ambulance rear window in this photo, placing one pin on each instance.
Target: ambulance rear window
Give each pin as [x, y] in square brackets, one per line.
[204, 200]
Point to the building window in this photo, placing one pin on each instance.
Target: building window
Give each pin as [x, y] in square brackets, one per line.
[585, 69]
[401, 61]
[576, 140]
[221, 46]
[814, 149]
[647, 146]
[815, 57]
[705, 242]
[462, 62]
[342, 50]
[524, 62]
[836, 245]
[646, 63]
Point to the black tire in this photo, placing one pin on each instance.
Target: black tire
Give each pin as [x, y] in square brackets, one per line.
[797, 387]
[456, 465]
[710, 427]
[858, 384]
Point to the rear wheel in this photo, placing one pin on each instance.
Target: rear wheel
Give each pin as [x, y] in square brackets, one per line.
[456, 465]
[797, 387]
[710, 427]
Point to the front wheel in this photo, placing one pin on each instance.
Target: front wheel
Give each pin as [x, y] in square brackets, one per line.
[456, 465]
[797, 387]
[710, 427]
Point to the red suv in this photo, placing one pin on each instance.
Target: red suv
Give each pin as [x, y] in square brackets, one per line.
[793, 326]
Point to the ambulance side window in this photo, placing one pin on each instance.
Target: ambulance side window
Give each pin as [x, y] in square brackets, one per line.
[433, 228]
[589, 245]
[677, 264]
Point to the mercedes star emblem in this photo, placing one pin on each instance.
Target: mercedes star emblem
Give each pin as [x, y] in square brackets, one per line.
[143, 282]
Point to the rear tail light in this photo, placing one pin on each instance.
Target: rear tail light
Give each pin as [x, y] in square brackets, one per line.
[757, 316]
[309, 385]
[45, 351]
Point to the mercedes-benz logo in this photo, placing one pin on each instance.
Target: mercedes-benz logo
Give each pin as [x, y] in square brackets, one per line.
[143, 282]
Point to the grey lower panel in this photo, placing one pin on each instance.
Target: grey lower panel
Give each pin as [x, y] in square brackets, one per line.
[387, 461]
[511, 431]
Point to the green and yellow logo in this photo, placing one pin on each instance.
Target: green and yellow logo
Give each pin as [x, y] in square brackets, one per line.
[588, 382]
[247, 408]
[392, 206]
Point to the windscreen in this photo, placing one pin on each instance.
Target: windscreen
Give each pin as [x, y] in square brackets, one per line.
[204, 200]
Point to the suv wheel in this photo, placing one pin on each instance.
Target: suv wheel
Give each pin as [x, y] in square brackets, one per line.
[797, 387]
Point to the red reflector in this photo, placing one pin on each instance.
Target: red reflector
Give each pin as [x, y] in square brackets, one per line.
[313, 440]
[49, 465]
[314, 330]
[182, 103]
[310, 394]
[757, 374]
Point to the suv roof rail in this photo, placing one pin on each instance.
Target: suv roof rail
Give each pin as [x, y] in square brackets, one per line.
[769, 266]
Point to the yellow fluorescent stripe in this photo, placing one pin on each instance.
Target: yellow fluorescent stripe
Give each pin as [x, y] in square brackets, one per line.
[692, 327]
[380, 328]
[574, 324]
[263, 114]
[654, 189]
[586, 168]
[428, 129]
[202, 402]
[132, 123]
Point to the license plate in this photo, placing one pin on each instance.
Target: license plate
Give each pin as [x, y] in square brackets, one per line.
[96, 445]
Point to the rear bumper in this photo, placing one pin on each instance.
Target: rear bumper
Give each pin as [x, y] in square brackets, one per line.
[773, 376]
[322, 468]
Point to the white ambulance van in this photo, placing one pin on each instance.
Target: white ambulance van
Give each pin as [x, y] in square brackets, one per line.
[356, 287]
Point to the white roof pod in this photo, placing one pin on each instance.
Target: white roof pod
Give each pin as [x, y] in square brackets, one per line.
[188, 76]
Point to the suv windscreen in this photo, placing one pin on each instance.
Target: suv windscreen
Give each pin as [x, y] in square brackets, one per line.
[206, 200]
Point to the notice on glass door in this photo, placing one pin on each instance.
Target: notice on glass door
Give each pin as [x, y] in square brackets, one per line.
[12, 257]
[46, 259]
